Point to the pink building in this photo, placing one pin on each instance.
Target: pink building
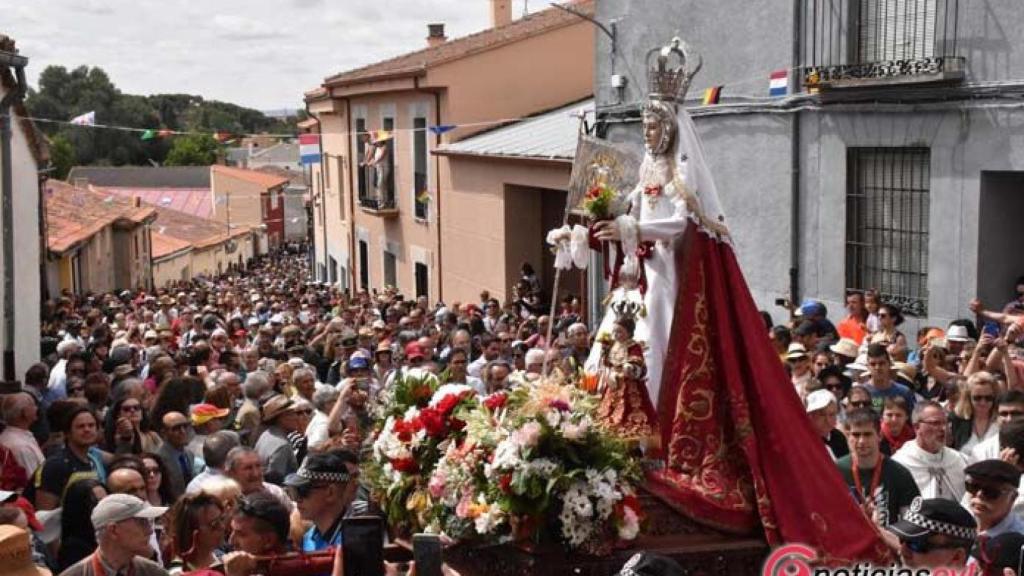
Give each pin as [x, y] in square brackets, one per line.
[401, 221]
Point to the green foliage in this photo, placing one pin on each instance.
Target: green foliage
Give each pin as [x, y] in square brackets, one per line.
[64, 94]
[62, 155]
[192, 150]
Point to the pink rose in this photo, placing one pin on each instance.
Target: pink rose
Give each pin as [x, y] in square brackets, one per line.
[437, 483]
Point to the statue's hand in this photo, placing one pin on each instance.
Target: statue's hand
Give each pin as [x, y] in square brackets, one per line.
[607, 231]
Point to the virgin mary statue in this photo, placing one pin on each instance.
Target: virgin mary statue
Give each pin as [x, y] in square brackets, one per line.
[737, 451]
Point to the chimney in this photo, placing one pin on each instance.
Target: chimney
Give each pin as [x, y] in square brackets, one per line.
[435, 35]
[501, 13]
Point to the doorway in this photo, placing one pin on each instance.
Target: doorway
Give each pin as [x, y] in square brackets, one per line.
[1000, 259]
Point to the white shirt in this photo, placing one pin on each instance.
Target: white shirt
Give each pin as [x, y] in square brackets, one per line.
[939, 475]
[58, 376]
[23, 447]
[992, 433]
[987, 449]
[316, 431]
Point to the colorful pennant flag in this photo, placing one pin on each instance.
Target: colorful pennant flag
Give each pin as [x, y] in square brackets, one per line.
[442, 128]
[779, 83]
[711, 95]
[309, 148]
[87, 119]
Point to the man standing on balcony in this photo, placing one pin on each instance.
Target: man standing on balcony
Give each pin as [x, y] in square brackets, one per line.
[376, 157]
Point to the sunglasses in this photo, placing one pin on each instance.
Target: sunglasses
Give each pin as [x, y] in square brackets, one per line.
[861, 404]
[305, 490]
[923, 546]
[985, 492]
[983, 398]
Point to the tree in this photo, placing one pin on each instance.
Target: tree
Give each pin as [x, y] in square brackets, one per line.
[62, 156]
[192, 150]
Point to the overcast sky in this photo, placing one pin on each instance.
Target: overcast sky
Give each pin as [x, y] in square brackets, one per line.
[258, 53]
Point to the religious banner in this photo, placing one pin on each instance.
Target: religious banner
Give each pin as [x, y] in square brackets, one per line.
[601, 162]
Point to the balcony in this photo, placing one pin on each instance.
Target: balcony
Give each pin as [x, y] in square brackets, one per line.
[870, 43]
[384, 206]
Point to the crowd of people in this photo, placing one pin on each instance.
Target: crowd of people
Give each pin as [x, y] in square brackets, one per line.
[920, 425]
[216, 422]
[219, 421]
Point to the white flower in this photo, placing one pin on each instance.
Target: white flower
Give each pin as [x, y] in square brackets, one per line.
[449, 389]
[572, 431]
[554, 417]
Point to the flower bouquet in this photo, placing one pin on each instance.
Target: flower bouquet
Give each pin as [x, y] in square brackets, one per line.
[527, 466]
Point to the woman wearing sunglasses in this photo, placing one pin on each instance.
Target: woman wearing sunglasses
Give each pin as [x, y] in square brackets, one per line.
[197, 527]
[974, 418]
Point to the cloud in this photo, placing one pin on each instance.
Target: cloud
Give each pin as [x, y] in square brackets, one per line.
[234, 27]
[95, 7]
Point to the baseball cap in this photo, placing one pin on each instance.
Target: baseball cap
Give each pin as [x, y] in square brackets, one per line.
[819, 399]
[935, 516]
[413, 351]
[358, 363]
[117, 507]
[203, 413]
[811, 308]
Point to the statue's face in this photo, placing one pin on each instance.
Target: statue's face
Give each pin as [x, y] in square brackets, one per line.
[654, 131]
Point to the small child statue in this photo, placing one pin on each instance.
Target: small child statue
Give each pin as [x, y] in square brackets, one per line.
[625, 407]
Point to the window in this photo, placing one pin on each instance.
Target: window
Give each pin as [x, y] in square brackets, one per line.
[361, 137]
[390, 269]
[887, 224]
[422, 279]
[333, 269]
[364, 265]
[387, 192]
[419, 144]
[896, 30]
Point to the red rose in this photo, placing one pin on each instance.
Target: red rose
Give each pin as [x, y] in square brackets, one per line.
[457, 425]
[448, 403]
[495, 401]
[434, 422]
[406, 465]
[505, 483]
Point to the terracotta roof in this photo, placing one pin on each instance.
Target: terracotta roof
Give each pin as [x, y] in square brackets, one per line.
[164, 245]
[265, 180]
[36, 140]
[416, 63]
[73, 215]
[295, 178]
[198, 232]
[195, 201]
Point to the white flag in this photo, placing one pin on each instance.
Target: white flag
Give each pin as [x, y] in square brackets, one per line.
[87, 119]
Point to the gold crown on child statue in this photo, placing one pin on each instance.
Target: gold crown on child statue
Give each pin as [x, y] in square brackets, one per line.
[666, 82]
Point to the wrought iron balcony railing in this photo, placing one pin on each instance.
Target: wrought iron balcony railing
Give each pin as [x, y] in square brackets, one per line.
[383, 205]
[856, 43]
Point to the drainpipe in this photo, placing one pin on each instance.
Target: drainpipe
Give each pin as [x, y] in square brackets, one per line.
[437, 195]
[352, 256]
[16, 94]
[794, 216]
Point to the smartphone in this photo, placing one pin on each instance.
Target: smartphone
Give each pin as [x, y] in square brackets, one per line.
[362, 545]
[426, 553]
[991, 328]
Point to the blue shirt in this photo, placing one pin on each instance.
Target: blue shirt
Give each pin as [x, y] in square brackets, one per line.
[313, 540]
[878, 397]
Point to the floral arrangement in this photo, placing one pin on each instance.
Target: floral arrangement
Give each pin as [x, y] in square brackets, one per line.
[599, 202]
[527, 465]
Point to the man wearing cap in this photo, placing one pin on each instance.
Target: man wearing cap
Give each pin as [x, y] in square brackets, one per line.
[883, 487]
[816, 314]
[823, 411]
[937, 469]
[206, 419]
[324, 490]
[275, 451]
[123, 525]
[933, 533]
[991, 489]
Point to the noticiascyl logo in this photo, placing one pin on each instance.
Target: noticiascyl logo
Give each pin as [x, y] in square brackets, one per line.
[790, 560]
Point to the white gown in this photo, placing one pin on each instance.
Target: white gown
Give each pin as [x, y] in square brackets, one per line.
[662, 222]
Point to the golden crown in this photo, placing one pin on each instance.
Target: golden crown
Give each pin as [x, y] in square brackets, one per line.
[669, 83]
